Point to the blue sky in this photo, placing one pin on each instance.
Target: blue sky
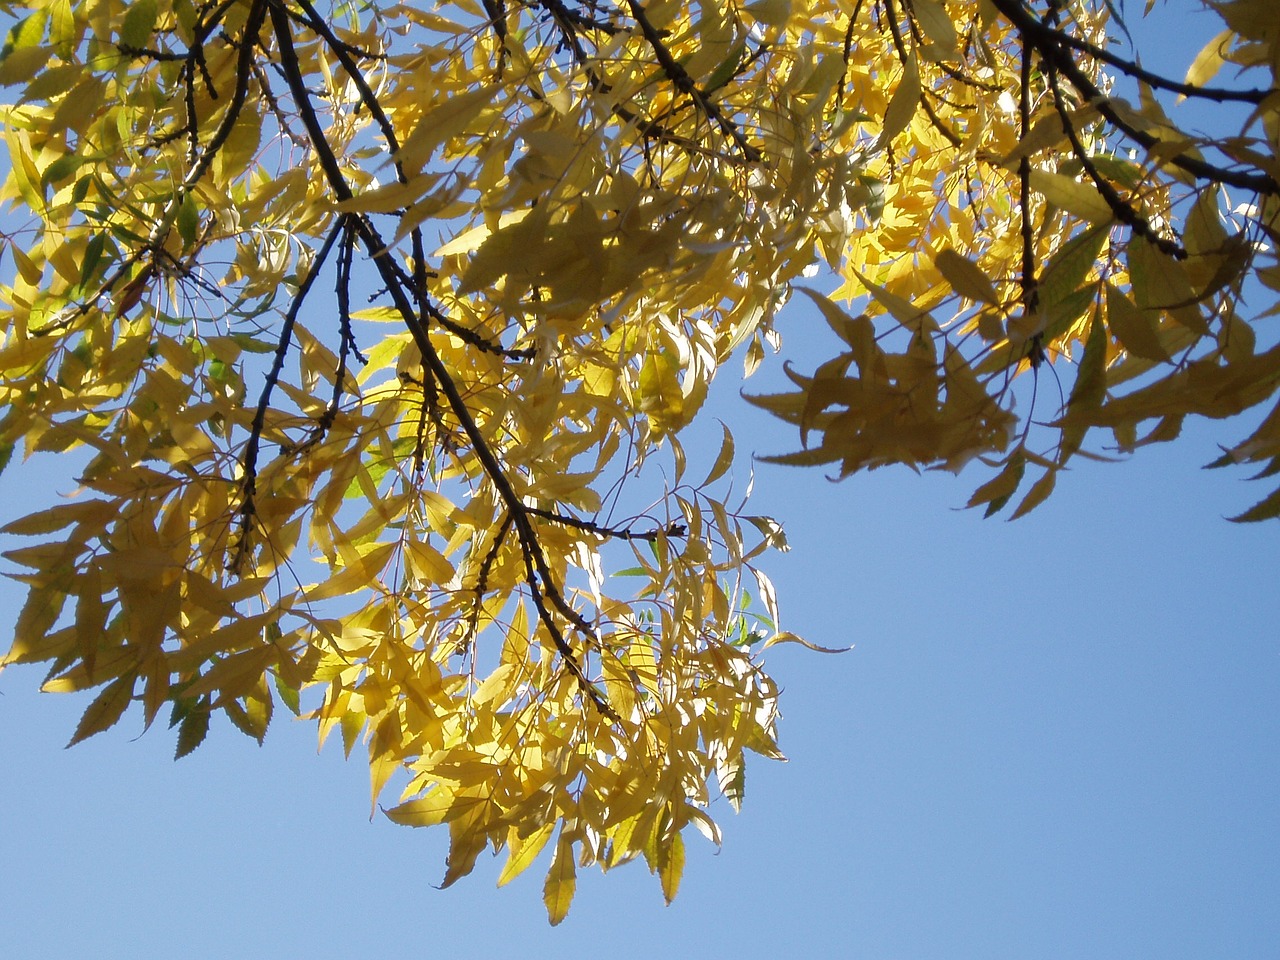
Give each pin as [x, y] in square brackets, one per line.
[1053, 738]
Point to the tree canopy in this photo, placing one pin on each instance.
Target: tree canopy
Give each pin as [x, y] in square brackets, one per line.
[373, 330]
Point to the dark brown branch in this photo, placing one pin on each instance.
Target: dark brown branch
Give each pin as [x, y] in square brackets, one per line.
[482, 578]
[1137, 72]
[149, 53]
[1047, 41]
[1120, 208]
[580, 19]
[1030, 296]
[244, 70]
[681, 80]
[198, 166]
[248, 483]
[370, 99]
[614, 533]
[273, 104]
[497, 11]
[540, 578]
[903, 55]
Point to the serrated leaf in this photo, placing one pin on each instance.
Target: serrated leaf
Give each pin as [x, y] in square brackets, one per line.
[671, 866]
[724, 459]
[1265, 509]
[192, 730]
[1037, 495]
[138, 23]
[288, 696]
[561, 882]
[107, 708]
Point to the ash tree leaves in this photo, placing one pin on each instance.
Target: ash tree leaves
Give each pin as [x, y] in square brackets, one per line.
[374, 331]
[1035, 221]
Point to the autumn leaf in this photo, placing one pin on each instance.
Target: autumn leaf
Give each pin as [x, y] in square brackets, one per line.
[375, 334]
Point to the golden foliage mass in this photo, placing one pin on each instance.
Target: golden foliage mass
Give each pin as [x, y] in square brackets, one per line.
[362, 321]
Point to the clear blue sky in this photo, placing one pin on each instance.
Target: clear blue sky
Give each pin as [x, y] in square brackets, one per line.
[1054, 739]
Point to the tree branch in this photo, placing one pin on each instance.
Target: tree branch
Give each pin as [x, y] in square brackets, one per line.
[540, 579]
[681, 80]
[1047, 41]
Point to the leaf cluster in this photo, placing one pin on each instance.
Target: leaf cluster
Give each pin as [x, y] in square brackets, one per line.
[368, 328]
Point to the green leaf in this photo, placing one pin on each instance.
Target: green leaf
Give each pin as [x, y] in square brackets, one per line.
[1070, 266]
[188, 219]
[1090, 388]
[288, 696]
[727, 68]
[192, 731]
[138, 24]
[26, 33]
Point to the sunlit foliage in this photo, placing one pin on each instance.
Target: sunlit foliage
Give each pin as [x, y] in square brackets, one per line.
[374, 329]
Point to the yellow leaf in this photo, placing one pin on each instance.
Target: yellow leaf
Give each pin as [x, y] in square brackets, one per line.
[1071, 195]
[966, 277]
[788, 637]
[671, 865]
[1135, 329]
[724, 459]
[446, 120]
[557, 891]
[902, 105]
[355, 576]
[428, 563]
[937, 25]
[437, 807]
[1038, 493]
[106, 709]
[774, 13]
[1208, 61]
[524, 851]
[904, 311]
